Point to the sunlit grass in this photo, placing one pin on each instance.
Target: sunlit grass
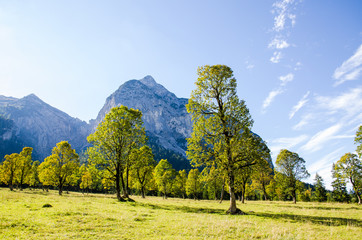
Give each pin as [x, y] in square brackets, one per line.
[99, 216]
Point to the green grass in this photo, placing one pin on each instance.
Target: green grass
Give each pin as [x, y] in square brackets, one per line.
[99, 216]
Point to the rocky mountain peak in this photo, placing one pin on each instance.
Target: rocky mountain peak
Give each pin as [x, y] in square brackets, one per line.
[149, 81]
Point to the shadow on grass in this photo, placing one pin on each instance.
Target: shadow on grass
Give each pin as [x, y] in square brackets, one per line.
[329, 221]
[181, 208]
[321, 207]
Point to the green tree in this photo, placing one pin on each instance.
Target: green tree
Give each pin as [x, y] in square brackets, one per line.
[320, 193]
[180, 183]
[358, 140]
[143, 166]
[24, 166]
[164, 174]
[293, 168]
[9, 168]
[262, 175]
[59, 168]
[339, 193]
[213, 181]
[193, 184]
[221, 126]
[350, 167]
[120, 132]
[34, 175]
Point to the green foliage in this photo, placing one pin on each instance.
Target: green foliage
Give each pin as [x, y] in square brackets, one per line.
[221, 126]
[24, 166]
[60, 169]
[293, 168]
[164, 176]
[115, 138]
[339, 193]
[349, 167]
[143, 165]
[193, 184]
[34, 175]
[358, 140]
[320, 193]
[9, 168]
[179, 187]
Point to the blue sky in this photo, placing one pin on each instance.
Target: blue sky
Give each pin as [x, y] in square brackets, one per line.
[298, 62]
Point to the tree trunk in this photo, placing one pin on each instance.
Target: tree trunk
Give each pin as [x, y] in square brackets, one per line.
[124, 188]
[143, 192]
[232, 209]
[118, 188]
[294, 197]
[243, 196]
[222, 190]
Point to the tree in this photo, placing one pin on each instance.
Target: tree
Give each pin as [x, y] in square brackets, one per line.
[180, 183]
[213, 181]
[320, 193]
[358, 140]
[293, 167]
[262, 176]
[34, 175]
[59, 168]
[350, 167]
[164, 174]
[339, 185]
[24, 166]
[120, 132]
[193, 185]
[143, 166]
[9, 168]
[221, 126]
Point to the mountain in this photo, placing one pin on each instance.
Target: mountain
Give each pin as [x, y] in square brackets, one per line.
[165, 118]
[31, 122]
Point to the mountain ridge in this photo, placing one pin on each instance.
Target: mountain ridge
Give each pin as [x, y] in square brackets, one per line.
[41, 126]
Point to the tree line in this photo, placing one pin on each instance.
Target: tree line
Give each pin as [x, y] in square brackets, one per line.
[229, 160]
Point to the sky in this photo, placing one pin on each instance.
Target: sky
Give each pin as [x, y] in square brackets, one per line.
[298, 63]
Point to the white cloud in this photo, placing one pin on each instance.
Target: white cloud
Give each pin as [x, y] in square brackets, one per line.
[324, 166]
[276, 57]
[282, 8]
[278, 43]
[349, 102]
[350, 69]
[285, 143]
[285, 79]
[249, 65]
[317, 141]
[271, 97]
[299, 105]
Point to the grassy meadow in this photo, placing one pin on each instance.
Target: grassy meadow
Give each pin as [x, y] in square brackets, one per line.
[99, 216]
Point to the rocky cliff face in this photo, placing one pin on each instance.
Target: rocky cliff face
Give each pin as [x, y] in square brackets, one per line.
[41, 126]
[164, 115]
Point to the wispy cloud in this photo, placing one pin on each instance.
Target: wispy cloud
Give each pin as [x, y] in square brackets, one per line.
[283, 18]
[285, 79]
[282, 10]
[350, 69]
[286, 143]
[271, 96]
[249, 65]
[278, 43]
[299, 105]
[276, 57]
[319, 139]
[344, 108]
[349, 102]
